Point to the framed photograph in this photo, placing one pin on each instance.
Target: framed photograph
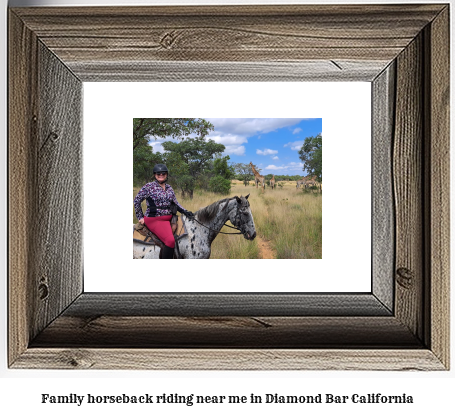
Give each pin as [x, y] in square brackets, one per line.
[288, 220]
[400, 323]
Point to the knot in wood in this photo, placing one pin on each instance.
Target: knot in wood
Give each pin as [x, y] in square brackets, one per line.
[53, 136]
[76, 359]
[168, 40]
[43, 290]
[405, 278]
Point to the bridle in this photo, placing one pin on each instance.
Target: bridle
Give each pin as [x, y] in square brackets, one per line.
[239, 224]
[225, 233]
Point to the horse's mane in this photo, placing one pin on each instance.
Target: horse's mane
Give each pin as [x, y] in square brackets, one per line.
[209, 212]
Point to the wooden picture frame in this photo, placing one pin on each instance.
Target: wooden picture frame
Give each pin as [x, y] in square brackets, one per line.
[402, 324]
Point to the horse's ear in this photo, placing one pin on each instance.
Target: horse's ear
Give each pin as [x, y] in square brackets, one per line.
[238, 199]
[246, 197]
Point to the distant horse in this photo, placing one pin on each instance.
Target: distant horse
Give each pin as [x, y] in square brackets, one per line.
[205, 227]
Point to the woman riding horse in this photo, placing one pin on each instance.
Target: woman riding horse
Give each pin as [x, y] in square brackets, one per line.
[159, 195]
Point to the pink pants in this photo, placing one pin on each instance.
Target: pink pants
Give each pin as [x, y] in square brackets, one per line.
[161, 227]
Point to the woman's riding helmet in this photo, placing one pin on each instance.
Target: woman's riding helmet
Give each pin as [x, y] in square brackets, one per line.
[160, 168]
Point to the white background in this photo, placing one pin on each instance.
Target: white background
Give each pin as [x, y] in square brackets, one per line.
[345, 109]
[20, 390]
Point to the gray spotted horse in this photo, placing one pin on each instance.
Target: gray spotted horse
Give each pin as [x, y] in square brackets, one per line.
[205, 227]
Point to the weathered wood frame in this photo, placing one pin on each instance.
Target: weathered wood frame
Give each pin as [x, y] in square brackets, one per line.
[403, 50]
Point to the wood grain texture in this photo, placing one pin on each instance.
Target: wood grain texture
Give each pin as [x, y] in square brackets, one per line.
[231, 34]
[90, 305]
[383, 215]
[57, 227]
[257, 332]
[53, 49]
[22, 94]
[230, 359]
[309, 71]
[45, 187]
[408, 190]
[438, 196]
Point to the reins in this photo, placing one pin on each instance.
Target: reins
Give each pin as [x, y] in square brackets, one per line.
[213, 230]
[217, 232]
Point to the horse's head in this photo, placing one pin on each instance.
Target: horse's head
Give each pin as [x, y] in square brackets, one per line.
[242, 217]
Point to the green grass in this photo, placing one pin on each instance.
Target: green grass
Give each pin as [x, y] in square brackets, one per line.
[290, 219]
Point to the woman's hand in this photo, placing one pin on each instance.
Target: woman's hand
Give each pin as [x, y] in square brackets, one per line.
[188, 214]
[141, 221]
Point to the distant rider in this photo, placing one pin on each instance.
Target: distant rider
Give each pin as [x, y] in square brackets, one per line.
[159, 195]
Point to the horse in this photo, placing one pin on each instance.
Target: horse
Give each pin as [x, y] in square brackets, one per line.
[204, 228]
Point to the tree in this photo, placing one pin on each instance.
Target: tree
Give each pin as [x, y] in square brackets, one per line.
[219, 184]
[145, 129]
[143, 161]
[223, 173]
[179, 176]
[311, 156]
[222, 168]
[190, 158]
[243, 172]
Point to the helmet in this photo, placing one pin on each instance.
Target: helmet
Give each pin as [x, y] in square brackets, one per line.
[160, 168]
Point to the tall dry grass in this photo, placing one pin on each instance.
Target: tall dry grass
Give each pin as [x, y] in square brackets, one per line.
[289, 219]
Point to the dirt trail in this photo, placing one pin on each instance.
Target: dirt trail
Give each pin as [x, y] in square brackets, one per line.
[265, 249]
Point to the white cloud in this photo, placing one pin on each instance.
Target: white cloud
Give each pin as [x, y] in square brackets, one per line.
[275, 158]
[297, 130]
[251, 126]
[238, 151]
[290, 168]
[295, 145]
[233, 132]
[266, 152]
[232, 142]
[228, 139]
[157, 146]
[273, 167]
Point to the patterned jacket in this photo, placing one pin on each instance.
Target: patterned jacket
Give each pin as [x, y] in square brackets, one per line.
[158, 200]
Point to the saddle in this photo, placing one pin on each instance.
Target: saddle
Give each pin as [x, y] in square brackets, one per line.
[144, 235]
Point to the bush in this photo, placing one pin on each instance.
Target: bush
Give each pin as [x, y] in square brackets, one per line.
[220, 185]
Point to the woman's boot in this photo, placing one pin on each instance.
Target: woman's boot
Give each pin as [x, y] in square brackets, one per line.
[167, 253]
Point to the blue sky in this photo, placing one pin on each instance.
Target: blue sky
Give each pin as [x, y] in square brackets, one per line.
[272, 144]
